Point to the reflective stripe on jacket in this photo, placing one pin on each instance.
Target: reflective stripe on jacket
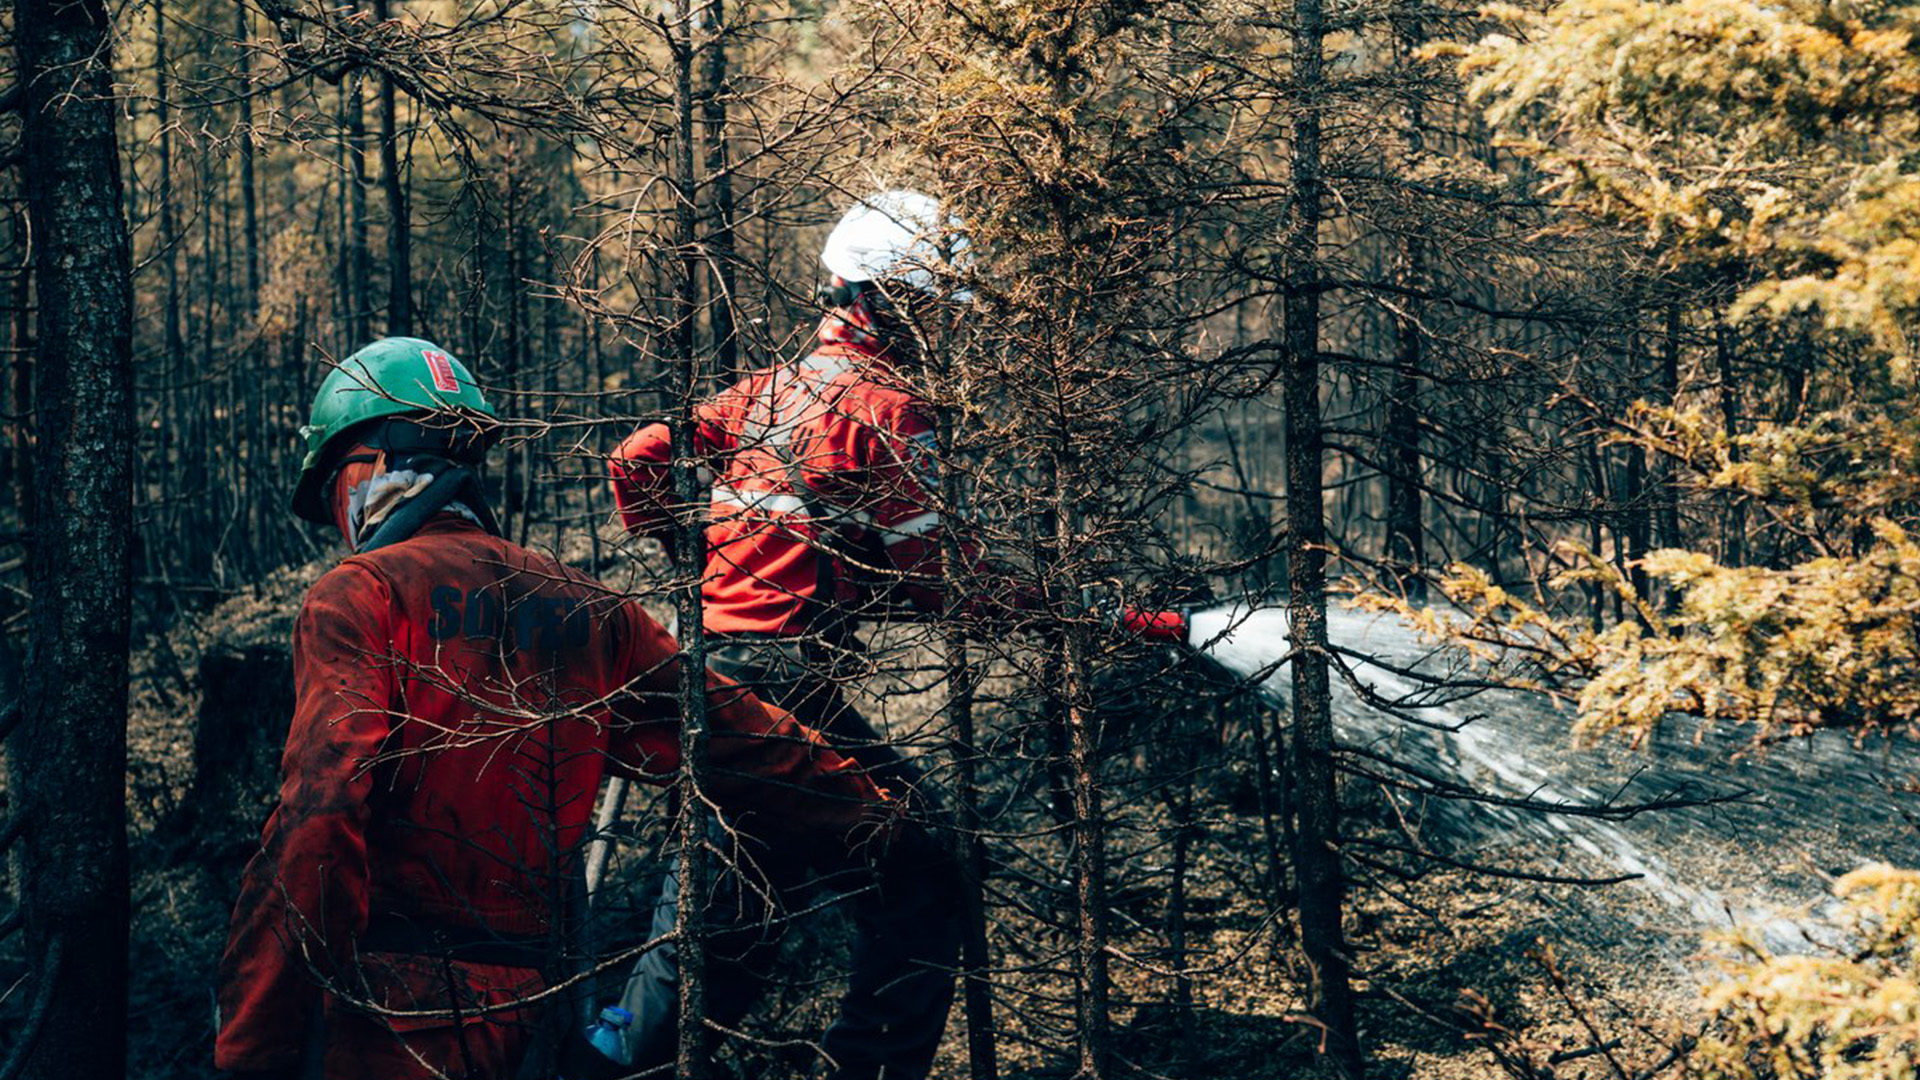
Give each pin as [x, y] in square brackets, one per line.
[823, 500]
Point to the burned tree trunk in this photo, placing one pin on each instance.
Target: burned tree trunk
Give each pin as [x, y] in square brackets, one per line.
[983, 1057]
[1092, 1020]
[517, 470]
[692, 1055]
[246, 700]
[1734, 520]
[1316, 799]
[1406, 537]
[68, 761]
[359, 260]
[169, 228]
[399, 225]
[1667, 532]
[249, 198]
[722, 280]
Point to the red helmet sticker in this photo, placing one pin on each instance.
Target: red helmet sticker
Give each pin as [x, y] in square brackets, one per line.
[442, 367]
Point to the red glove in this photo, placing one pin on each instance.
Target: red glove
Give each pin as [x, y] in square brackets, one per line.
[1166, 626]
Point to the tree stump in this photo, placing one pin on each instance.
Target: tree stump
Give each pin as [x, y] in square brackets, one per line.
[246, 704]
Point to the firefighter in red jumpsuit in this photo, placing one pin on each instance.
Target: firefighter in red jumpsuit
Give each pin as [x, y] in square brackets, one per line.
[823, 514]
[459, 700]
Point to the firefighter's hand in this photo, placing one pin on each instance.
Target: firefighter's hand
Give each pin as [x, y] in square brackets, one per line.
[881, 823]
[1169, 627]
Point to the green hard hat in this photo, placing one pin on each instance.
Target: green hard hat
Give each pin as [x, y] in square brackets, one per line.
[395, 376]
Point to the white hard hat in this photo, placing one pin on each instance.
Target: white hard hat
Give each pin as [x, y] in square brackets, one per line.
[899, 235]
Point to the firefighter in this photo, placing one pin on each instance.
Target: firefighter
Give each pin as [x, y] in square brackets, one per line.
[459, 699]
[824, 513]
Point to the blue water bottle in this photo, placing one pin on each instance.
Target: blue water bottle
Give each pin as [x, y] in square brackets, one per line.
[608, 1034]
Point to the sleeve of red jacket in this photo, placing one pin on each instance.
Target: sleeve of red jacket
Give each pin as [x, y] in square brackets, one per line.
[303, 898]
[641, 468]
[764, 766]
[901, 469]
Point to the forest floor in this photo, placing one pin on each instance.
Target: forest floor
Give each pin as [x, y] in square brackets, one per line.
[1459, 969]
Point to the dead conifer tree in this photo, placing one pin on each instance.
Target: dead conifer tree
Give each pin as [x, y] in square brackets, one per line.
[67, 762]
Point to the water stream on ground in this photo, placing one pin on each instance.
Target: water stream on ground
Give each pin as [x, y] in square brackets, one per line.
[1818, 807]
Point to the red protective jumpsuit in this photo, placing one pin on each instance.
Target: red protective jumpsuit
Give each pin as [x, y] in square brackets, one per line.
[459, 700]
[835, 443]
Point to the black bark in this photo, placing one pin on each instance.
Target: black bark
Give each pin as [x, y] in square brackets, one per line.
[1316, 799]
[1406, 536]
[249, 198]
[692, 1057]
[1734, 522]
[721, 279]
[359, 260]
[1089, 813]
[399, 224]
[983, 1056]
[68, 761]
[169, 227]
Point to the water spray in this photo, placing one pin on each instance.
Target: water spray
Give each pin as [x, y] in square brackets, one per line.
[1247, 640]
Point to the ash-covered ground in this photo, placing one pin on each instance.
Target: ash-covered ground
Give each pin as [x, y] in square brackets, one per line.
[1457, 968]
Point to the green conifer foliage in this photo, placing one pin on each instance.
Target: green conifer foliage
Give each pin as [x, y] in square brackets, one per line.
[1776, 138]
[1851, 1016]
[1766, 156]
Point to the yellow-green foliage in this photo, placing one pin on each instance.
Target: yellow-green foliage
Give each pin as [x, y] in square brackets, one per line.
[1775, 143]
[1855, 462]
[1776, 136]
[1768, 147]
[1831, 641]
[1852, 1016]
